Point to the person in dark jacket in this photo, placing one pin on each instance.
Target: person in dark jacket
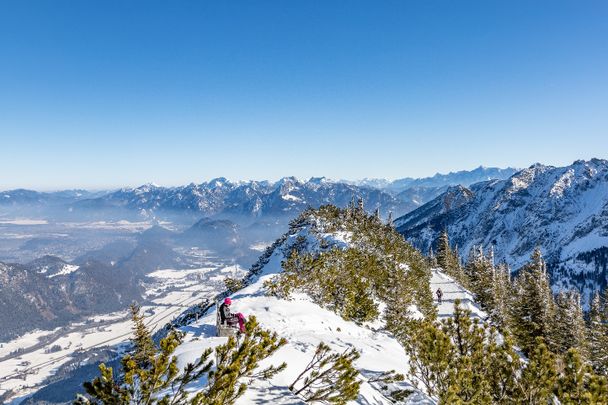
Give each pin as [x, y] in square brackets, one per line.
[230, 319]
[439, 295]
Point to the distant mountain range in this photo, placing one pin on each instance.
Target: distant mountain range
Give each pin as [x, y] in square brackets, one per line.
[563, 210]
[252, 200]
[463, 177]
[30, 197]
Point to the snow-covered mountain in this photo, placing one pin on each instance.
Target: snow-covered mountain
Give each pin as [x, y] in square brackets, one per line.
[564, 210]
[286, 197]
[49, 292]
[240, 201]
[30, 197]
[462, 177]
[220, 197]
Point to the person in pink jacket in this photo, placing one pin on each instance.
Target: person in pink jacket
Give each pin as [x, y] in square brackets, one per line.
[228, 318]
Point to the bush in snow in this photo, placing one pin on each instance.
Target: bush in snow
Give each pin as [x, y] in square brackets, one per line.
[239, 359]
[377, 265]
[461, 360]
[329, 377]
[233, 284]
[154, 378]
[53, 349]
[337, 279]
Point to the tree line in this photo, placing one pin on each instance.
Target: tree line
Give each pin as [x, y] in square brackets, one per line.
[534, 347]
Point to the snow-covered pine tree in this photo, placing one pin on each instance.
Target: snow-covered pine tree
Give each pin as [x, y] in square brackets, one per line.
[597, 332]
[460, 360]
[237, 360]
[577, 384]
[448, 259]
[468, 374]
[533, 311]
[431, 354]
[569, 326]
[539, 376]
[479, 270]
[432, 259]
[502, 291]
[162, 383]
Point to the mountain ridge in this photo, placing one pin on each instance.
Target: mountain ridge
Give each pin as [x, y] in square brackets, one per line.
[564, 210]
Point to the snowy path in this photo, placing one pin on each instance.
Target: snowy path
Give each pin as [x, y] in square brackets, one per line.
[452, 291]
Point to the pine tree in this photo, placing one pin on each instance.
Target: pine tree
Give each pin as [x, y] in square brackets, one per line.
[533, 311]
[432, 259]
[578, 385]
[448, 259]
[162, 383]
[460, 360]
[144, 385]
[504, 370]
[238, 360]
[444, 251]
[328, 377]
[468, 374]
[539, 376]
[234, 284]
[597, 331]
[503, 297]
[143, 344]
[570, 330]
[480, 274]
[431, 355]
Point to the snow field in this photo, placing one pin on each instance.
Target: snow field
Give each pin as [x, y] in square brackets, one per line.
[304, 324]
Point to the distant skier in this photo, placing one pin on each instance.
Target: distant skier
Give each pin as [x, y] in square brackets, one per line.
[439, 295]
[230, 319]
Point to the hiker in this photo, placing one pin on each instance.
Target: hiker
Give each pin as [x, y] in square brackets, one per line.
[439, 295]
[230, 319]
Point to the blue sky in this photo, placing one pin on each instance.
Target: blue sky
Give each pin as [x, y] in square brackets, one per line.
[109, 93]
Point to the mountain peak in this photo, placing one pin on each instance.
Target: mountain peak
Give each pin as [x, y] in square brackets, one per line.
[218, 182]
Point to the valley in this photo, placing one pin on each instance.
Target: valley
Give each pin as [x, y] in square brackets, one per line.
[33, 358]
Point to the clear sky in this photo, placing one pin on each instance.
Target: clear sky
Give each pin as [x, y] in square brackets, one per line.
[110, 93]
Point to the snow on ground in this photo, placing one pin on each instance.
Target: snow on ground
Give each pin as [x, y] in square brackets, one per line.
[171, 274]
[452, 291]
[67, 269]
[290, 197]
[304, 324]
[260, 246]
[26, 340]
